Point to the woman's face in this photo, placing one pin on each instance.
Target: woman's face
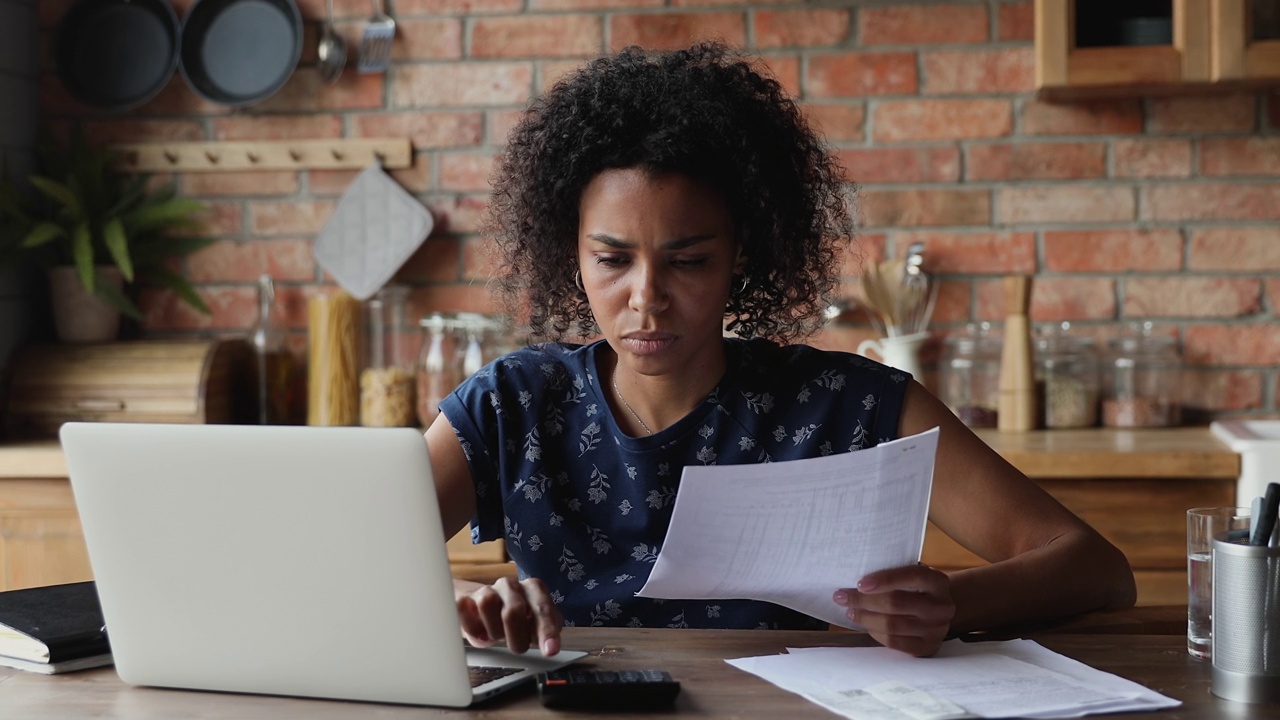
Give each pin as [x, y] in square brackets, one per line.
[657, 255]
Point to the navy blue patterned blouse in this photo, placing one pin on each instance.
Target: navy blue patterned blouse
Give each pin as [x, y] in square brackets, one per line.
[585, 507]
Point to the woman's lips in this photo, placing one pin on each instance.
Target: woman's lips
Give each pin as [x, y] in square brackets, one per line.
[648, 344]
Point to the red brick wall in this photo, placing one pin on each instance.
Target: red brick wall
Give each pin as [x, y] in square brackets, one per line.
[1130, 209]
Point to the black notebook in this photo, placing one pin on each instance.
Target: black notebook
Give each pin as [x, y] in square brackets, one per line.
[53, 629]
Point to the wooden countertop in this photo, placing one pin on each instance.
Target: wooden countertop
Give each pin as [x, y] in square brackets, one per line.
[32, 459]
[1189, 452]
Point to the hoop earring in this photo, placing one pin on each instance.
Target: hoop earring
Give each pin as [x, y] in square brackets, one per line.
[577, 280]
[737, 292]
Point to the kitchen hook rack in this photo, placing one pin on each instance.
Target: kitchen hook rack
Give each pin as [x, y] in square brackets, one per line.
[240, 156]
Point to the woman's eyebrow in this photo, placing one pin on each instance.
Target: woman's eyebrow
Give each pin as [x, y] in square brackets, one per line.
[611, 241]
[677, 244]
[687, 242]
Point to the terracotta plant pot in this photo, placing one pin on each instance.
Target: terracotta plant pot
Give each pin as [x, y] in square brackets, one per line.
[80, 316]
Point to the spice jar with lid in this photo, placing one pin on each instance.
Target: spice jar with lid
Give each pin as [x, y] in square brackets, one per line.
[969, 376]
[1142, 375]
[388, 381]
[1066, 374]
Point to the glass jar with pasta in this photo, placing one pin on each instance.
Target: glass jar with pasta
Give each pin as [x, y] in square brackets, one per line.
[333, 352]
[388, 380]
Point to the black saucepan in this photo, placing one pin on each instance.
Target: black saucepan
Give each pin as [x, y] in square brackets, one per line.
[116, 54]
[239, 52]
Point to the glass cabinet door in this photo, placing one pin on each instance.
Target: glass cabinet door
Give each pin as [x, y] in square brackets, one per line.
[1136, 45]
[1246, 39]
[1264, 21]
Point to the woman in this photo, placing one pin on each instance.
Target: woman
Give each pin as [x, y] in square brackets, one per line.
[650, 200]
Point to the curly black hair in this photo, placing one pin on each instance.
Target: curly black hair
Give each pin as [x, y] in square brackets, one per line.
[704, 112]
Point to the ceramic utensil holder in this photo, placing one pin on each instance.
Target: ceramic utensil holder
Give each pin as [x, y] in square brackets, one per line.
[1246, 621]
[900, 351]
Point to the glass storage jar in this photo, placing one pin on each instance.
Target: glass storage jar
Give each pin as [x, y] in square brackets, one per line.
[438, 370]
[481, 340]
[472, 330]
[1142, 374]
[504, 337]
[388, 381]
[969, 376]
[454, 347]
[333, 355]
[1066, 375]
[275, 376]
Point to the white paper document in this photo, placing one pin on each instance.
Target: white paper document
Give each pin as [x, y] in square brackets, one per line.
[794, 532]
[1017, 678]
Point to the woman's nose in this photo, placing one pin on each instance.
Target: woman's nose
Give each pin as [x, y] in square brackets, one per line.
[648, 291]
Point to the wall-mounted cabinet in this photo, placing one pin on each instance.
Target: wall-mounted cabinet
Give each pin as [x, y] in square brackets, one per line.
[1246, 40]
[1094, 48]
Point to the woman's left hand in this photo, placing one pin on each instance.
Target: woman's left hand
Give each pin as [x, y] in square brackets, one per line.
[908, 608]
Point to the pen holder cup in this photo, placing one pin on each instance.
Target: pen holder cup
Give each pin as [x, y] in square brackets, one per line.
[1246, 621]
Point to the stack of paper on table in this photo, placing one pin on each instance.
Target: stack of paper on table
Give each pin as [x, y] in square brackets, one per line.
[1016, 678]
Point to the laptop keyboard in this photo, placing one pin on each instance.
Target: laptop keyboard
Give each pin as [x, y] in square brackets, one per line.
[483, 674]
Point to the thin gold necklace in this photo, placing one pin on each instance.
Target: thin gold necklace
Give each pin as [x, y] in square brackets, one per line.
[627, 405]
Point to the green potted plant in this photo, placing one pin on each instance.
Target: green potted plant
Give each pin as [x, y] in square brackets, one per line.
[97, 231]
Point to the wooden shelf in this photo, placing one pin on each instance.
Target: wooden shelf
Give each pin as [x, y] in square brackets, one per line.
[239, 156]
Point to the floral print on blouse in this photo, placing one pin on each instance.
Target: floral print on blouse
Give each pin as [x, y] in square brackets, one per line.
[585, 507]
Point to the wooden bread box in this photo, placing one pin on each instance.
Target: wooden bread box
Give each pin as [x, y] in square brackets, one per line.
[166, 381]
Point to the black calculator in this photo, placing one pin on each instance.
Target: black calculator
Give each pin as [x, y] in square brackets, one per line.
[616, 690]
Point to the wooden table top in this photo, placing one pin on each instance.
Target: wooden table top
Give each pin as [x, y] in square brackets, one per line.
[710, 687]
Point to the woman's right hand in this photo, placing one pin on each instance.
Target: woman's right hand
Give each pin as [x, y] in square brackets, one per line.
[518, 611]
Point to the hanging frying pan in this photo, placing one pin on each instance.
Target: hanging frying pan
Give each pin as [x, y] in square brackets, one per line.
[116, 54]
[239, 52]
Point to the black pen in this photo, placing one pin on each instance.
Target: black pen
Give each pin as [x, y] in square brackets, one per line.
[1267, 522]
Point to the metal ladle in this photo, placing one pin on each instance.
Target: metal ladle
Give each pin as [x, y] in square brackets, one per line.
[332, 50]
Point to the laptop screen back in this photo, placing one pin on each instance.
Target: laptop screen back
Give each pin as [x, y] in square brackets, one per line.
[279, 560]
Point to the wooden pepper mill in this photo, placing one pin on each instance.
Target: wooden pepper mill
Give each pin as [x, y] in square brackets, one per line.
[1017, 404]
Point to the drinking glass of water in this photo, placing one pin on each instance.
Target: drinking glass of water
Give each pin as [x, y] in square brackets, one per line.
[1203, 524]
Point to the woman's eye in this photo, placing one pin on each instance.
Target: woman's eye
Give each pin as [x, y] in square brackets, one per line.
[689, 262]
[610, 260]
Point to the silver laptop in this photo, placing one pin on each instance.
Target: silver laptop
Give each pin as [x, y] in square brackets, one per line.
[278, 560]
